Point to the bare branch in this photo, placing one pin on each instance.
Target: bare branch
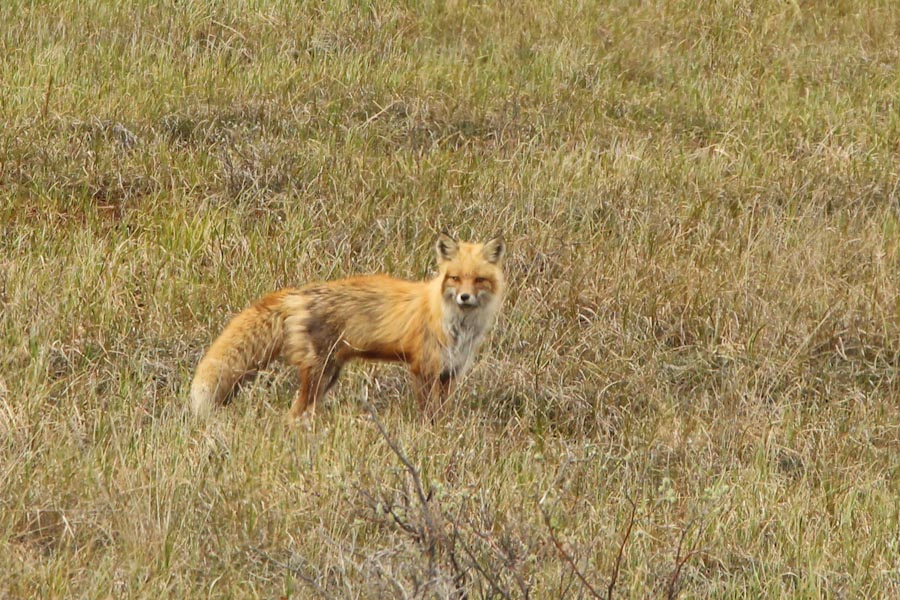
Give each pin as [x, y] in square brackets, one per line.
[615, 574]
[672, 587]
[410, 468]
[295, 571]
[568, 557]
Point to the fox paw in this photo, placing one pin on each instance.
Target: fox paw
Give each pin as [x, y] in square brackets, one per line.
[303, 421]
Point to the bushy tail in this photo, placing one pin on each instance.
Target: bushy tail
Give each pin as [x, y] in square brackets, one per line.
[250, 341]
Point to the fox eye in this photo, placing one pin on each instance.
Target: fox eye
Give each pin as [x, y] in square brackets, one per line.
[479, 280]
[452, 278]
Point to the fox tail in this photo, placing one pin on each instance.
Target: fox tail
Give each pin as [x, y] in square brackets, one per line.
[250, 341]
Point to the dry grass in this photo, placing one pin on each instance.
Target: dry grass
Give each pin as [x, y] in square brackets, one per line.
[703, 320]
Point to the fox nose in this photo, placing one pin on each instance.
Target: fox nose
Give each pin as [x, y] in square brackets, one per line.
[464, 297]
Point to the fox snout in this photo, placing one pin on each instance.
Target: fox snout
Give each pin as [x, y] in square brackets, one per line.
[466, 299]
[463, 298]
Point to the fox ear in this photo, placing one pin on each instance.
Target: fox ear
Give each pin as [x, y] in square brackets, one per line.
[447, 248]
[493, 249]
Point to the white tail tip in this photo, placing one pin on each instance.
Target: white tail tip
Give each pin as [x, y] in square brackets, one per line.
[201, 400]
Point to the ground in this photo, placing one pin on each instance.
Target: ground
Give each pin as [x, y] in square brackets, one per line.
[691, 391]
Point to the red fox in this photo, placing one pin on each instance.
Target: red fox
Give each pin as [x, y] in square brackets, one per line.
[435, 326]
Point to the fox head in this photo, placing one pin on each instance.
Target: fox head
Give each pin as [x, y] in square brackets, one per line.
[471, 275]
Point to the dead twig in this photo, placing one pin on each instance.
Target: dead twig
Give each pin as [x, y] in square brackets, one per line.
[672, 587]
[568, 557]
[45, 106]
[424, 498]
[295, 571]
[436, 538]
[615, 574]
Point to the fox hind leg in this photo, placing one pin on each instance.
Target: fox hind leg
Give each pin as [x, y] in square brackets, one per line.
[314, 383]
[302, 398]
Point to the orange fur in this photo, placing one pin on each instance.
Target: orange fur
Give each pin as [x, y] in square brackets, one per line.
[435, 326]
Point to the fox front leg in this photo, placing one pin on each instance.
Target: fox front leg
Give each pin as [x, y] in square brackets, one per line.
[432, 391]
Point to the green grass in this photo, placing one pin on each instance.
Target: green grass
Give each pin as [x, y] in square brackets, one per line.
[701, 205]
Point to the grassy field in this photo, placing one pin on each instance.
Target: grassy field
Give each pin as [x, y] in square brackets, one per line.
[693, 387]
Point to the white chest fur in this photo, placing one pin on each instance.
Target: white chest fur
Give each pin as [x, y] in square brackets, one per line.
[465, 332]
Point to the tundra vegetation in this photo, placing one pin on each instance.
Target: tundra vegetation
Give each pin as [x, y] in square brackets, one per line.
[693, 386]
